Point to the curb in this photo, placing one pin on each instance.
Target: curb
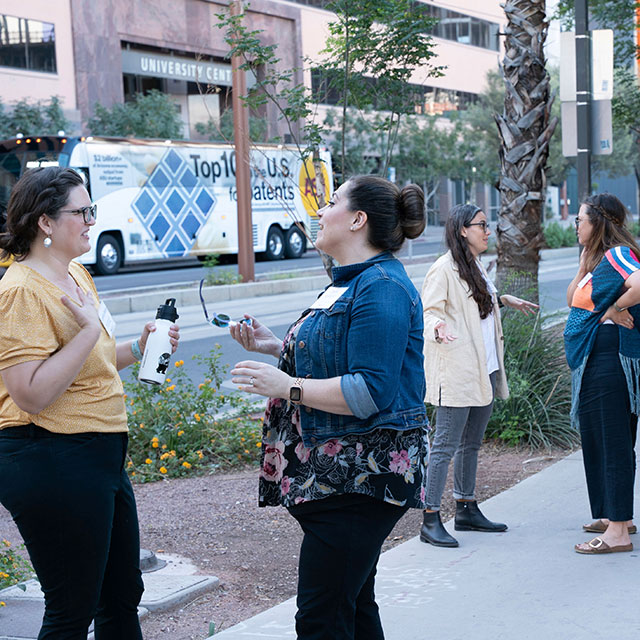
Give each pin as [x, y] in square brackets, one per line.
[132, 301]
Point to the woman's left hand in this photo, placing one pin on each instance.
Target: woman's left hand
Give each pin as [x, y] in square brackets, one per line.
[261, 378]
[174, 335]
[623, 318]
[518, 303]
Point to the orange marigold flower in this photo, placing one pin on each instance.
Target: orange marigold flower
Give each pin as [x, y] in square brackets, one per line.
[179, 363]
[181, 432]
[163, 470]
[155, 445]
[186, 465]
[258, 444]
[197, 417]
[148, 461]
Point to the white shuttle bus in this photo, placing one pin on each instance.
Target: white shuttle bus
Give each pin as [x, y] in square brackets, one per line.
[167, 200]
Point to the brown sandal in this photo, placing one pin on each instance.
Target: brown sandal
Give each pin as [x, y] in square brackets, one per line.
[600, 527]
[598, 545]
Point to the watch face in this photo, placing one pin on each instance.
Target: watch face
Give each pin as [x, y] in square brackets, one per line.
[295, 394]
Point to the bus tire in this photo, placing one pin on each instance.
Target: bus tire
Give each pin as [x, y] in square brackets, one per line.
[295, 243]
[275, 244]
[108, 255]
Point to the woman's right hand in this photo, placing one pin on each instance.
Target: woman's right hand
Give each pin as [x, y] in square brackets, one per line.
[443, 333]
[86, 313]
[256, 337]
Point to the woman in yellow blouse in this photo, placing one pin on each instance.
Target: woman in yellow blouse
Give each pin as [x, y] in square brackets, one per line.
[63, 425]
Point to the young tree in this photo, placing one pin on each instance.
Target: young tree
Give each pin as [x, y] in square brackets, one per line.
[374, 48]
[525, 128]
[151, 115]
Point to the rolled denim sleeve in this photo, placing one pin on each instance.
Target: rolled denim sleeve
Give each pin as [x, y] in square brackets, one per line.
[378, 336]
[357, 396]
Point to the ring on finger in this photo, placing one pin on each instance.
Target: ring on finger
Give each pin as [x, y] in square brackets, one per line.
[252, 380]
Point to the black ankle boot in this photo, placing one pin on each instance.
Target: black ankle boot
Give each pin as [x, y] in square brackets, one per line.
[433, 531]
[470, 518]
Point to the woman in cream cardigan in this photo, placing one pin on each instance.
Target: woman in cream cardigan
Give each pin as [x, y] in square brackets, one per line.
[463, 349]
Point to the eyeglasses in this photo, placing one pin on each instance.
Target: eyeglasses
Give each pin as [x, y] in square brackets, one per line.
[219, 319]
[88, 213]
[483, 225]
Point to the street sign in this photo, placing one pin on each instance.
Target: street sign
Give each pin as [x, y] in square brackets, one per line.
[601, 92]
[601, 65]
[601, 129]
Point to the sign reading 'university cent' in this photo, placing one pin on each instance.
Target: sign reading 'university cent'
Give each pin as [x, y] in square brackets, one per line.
[142, 63]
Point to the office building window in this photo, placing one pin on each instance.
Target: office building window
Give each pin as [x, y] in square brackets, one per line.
[464, 29]
[27, 44]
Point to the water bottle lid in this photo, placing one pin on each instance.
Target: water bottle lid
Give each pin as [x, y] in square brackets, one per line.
[168, 311]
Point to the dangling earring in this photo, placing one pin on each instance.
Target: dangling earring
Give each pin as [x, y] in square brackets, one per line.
[47, 242]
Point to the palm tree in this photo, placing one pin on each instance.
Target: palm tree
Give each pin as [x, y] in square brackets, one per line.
[525, 128]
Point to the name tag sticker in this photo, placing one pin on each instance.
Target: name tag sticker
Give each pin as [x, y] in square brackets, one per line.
[328, 297]
[584, 280]
[107, 320]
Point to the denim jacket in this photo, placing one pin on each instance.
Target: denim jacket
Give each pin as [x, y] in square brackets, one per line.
[372, 336]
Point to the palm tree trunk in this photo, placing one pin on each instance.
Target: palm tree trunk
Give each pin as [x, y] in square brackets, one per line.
[525, 129]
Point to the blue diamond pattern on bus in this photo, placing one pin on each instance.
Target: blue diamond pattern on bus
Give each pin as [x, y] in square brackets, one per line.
[173, 205]
[175, 248]
[160, 226]
[205, 201]
[173, 161]
[159, 180]
[191, 225]
[143, 204]
[188, 180]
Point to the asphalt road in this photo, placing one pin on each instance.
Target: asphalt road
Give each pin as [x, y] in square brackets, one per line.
[192, 270]
[278, 312]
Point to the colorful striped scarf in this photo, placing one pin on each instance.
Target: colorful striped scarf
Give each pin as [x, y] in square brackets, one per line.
[590, 302]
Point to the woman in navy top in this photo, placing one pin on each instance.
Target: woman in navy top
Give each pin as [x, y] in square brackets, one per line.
[602, 344]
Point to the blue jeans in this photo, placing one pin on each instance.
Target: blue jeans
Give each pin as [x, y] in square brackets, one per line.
[73, 504]
[459, 431]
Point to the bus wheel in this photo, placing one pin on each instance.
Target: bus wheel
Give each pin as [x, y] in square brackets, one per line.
[275, 244]
[108, 255]
[295, 244]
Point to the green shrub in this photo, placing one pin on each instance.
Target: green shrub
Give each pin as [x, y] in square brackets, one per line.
[218, 276]
[537, 410]
[557, 235]
[184, 427]
[13, 567]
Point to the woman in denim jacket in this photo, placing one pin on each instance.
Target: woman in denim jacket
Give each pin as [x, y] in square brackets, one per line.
[345, 442]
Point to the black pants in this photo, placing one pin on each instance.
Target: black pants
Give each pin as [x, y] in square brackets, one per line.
[74, 506]
[607, 430]
[338, 558]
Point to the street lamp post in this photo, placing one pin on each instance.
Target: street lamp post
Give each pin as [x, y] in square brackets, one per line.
[583, 98]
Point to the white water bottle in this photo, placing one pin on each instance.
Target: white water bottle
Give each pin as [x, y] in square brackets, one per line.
[157, 352]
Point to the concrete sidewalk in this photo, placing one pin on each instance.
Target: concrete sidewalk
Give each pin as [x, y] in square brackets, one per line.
[525, 584]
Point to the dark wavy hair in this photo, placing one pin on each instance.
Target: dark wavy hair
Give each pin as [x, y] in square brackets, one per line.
[461, 216]
[39, 191]
[608, 217]
[393, 214]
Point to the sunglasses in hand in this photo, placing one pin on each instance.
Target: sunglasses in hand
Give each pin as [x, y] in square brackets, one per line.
[219, 319]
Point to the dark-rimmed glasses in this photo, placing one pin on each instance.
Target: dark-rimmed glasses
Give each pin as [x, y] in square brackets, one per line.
[483, 225]
[88, 213]
[219, 319]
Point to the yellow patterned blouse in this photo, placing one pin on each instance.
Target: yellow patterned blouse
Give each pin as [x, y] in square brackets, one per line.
[34, 325]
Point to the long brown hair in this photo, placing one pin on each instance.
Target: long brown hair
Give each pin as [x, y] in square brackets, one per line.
[607, 216]
[461, 216]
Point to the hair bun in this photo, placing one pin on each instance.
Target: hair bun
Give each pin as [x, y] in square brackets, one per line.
[411, 214]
